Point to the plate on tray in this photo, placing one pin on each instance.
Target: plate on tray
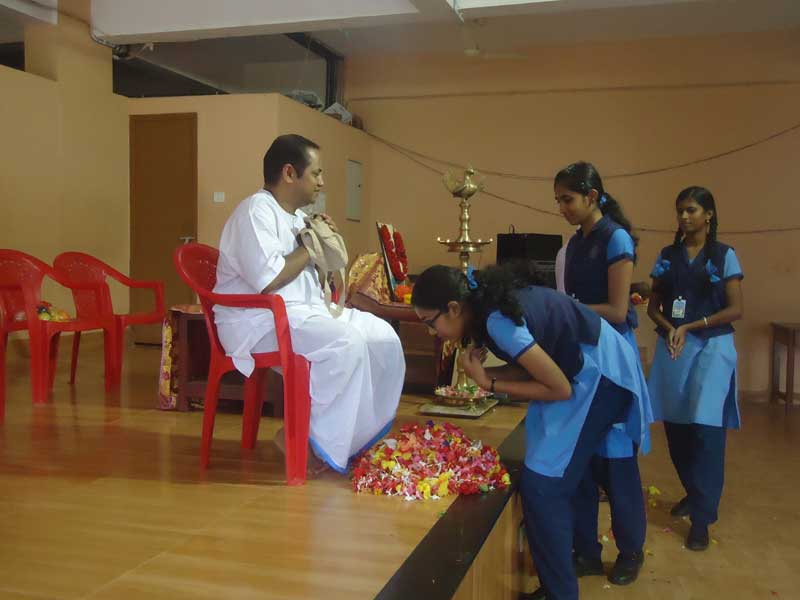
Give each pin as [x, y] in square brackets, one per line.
[447, 394]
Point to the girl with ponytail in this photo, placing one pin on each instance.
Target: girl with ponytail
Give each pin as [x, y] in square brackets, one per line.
[580, 376]
[598, 269]
[697, 294]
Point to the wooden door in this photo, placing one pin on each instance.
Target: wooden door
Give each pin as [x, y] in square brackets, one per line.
[163, 179]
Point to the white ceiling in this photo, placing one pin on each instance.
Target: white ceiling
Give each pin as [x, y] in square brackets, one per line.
[125, 21]
[502, 36]
[234, 33]
[366, 26]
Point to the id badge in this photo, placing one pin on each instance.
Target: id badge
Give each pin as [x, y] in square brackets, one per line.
[679, 308]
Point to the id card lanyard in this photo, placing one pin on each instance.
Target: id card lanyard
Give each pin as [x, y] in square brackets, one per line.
[679, 308]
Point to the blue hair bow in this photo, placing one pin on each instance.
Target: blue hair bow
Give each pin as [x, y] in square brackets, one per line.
[662, 266]
[603, 200]
[713, 272]
[471, 282]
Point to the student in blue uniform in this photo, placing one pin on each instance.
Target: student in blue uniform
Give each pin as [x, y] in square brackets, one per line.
[598, 271]
[580, 375]
[697, 294]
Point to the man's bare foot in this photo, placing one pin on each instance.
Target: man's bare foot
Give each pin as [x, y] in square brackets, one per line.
[314, 466]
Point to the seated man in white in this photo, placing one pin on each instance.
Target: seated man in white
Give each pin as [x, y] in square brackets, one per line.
[357, 363]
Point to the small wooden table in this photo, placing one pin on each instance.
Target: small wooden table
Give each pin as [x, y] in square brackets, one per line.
[191, 356]
[786, 334]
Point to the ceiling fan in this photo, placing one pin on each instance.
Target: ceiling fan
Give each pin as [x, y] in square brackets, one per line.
[470, 34]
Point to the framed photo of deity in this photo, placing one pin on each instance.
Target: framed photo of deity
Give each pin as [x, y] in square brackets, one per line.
[395, 259]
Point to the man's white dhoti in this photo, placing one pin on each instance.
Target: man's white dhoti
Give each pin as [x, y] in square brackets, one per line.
[357, 364]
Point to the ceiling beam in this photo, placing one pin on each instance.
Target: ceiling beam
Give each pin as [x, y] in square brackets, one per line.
[180, 20]
[41, 10]
[473, 9]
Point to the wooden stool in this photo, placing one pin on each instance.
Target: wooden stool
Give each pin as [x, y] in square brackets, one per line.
[786, 334]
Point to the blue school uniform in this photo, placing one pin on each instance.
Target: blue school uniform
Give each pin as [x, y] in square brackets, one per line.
[615, 467]
[561, 437]
[700, 386]
[696, 395]
[571, 334]
[588, 259]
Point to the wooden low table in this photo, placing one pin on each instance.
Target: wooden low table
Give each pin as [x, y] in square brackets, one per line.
[191, 354]
[786, 334]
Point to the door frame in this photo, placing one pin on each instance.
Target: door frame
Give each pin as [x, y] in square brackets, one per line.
[132, 120]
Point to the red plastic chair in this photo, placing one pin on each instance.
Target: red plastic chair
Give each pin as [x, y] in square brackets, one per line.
[21, 277]
[80, 268]
[197, 265]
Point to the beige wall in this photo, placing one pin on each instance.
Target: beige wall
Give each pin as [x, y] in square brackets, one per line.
[235, 130]
[64, 153]
[685, 99]
[339, 143]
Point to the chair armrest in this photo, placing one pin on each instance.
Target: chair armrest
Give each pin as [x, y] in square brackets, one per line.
[272, 302]
[158, 293]
[245, 300]
[156, 286]
[122, 278]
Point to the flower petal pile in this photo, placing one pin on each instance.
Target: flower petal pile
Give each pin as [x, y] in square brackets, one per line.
[428, 461]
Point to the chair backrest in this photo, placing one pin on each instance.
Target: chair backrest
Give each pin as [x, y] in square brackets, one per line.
[21, 278]
[80, 268]
[197, 266]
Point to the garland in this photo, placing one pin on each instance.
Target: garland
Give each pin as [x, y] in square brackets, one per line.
[395, 253]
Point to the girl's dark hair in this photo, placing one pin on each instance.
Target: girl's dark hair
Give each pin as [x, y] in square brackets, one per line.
[582, 177]
[705, 199]
[440, 284]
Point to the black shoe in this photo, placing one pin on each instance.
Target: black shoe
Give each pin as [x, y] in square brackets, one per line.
[537, 594]
[697, 540]
[587, 566]
[626, 568]
[681, 509]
